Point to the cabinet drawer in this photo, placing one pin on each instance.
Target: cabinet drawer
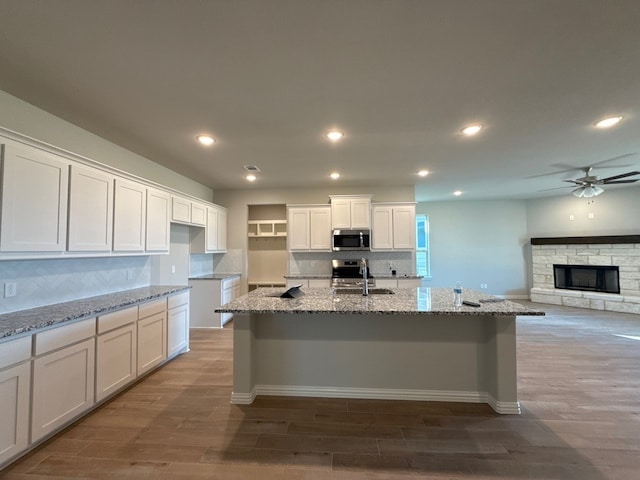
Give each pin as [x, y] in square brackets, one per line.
[386, 283]
[15, 351]
[64, 335]
[179, 299]
[151, 308]
[117, 319]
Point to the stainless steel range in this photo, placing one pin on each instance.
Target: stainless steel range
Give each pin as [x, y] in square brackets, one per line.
[347, 273]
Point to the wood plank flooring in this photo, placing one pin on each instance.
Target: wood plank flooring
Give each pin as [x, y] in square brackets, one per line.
[579, 385]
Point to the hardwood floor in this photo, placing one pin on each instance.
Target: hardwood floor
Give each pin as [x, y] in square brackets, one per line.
[579, 385]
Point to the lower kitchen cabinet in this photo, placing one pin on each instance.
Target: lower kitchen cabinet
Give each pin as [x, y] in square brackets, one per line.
[152, 341]
[178, 324]
[209, 294]
[398, 283]
[116, 365]
[15, 384]
[63, 386]
[309, 282]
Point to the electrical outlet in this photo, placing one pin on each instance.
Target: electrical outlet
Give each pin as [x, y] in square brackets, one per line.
[173, 269]
[10, 289]
[591, 215]
[483, 286]
[572, 217]
[129, 274]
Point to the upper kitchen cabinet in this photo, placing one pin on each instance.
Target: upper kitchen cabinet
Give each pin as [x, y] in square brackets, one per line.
[309, 227]
[394, 226]
[158, 224]
[90, 210]
[129, 217]
[185, 211]
[213, 239]
[350, 211]
[33, 212]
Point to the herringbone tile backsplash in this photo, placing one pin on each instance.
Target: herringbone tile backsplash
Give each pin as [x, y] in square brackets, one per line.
[44, 282]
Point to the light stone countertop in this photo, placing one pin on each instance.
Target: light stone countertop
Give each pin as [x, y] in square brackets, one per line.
[23, 321]
[215, 276]
[407, 301]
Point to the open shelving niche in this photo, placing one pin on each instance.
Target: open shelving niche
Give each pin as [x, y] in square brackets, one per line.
[267, 246]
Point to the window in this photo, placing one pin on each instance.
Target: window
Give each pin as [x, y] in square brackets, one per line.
[422, 246]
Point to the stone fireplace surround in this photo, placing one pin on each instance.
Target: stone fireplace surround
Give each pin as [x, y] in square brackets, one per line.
[620, 250]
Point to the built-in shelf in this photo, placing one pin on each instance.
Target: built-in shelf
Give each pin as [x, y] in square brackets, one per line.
[267, 228]
[254, 285]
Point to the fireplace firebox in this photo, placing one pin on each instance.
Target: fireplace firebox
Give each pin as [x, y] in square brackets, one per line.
[591, 278]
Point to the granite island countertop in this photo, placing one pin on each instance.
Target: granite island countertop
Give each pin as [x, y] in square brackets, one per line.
[23, 321]
[408, 301]
[374, 276]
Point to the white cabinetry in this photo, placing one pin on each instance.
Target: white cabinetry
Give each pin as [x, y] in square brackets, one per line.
[116, 351]
[394, 227]
[350, 211]
[309, 227]
[213, 238]
[15, 384]
[152, 334]
[34, 200]
[157, 220]
[309, 282]
[209, 294]
[186, 211]
[178, 324]
[63, 376]
[90, 210]
[398, 283]
[129, 216]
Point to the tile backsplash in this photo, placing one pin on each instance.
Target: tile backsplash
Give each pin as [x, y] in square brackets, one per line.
[319, 263]
[44, 282]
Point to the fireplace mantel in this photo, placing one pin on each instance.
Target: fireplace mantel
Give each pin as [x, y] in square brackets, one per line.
[595, 240]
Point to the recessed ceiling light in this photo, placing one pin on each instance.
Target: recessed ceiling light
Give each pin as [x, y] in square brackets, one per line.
[608, 122]
[423, 173]
[471, 130]
[251, 177]
[206, 140]
[335, 175]
[457, 193]
[335, 135]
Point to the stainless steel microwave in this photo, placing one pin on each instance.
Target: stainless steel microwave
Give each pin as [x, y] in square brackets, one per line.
[349, 240]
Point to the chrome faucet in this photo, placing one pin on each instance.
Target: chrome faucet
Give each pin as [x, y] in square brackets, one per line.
[365, 282]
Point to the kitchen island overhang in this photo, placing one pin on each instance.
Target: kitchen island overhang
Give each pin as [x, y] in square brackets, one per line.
[413, 345]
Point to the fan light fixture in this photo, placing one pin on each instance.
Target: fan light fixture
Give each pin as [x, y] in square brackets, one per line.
[587, 191]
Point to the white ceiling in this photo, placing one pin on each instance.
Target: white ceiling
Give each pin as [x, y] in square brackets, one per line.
[400, 77]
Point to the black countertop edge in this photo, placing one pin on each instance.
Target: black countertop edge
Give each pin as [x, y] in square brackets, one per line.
[617, 239]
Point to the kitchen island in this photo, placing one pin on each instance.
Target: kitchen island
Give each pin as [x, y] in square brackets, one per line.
[410, 345]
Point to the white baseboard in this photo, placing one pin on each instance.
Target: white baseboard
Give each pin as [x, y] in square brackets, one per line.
[377, 394]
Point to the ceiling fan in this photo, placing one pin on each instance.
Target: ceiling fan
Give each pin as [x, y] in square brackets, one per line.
[589, 185]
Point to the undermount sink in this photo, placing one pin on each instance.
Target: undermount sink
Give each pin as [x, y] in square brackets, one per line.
[358, 291]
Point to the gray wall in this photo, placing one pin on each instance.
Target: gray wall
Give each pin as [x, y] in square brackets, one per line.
[24, 118]
[477, 242]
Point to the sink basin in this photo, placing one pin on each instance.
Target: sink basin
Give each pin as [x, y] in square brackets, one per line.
[358, 291]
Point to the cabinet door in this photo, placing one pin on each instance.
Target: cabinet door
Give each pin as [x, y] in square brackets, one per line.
[404, 227]
[298, 225]
[63, 387]
[180, 210]
[211, 230]
[198, 214]
[360, 213]
[222, 230]
[35, 187]
[340, 213]
[382, 229]
[152, 341]
[90, 210]
[129, 216]
[115, 360]
[320, 228]
[15, 385]
[157, 221]
[409, 282]
[177, 330]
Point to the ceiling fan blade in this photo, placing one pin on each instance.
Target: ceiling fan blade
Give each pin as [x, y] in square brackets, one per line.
[577, 182]
[615, 177]
[625, 155]
[620, 181]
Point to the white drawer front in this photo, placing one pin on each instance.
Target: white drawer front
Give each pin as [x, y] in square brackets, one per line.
[179, 299]
[117, 319]
[151, 308]
[15, 351]
[64, 335]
